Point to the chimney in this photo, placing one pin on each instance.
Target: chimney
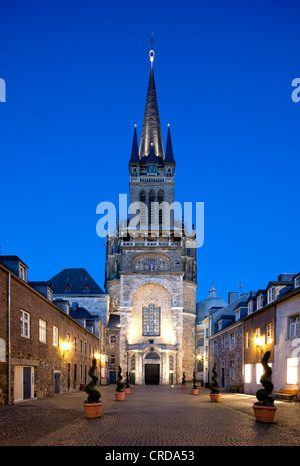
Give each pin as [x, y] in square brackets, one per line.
[232, 296]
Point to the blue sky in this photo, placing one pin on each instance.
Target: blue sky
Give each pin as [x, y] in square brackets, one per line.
[77, 74]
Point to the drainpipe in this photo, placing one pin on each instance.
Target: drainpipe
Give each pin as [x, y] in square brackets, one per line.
[9, 340]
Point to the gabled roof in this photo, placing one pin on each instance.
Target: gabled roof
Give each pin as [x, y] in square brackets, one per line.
[77, 279]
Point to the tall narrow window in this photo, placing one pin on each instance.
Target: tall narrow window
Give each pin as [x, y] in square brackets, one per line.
[160, 198]
[143, 209]
[42, 331]
[151, 320]
[292, 369]
[25, 324]
[294, 326]
[151, 209]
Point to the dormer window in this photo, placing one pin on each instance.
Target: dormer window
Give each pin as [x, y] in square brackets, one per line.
[260, 301]
[86, 287]
[250, 307]
[68, 287]
[22, 272]
[271, 294]
[297, 281]
[237, 315]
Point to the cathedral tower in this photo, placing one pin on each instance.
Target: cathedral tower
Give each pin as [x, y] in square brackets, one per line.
[151, 270]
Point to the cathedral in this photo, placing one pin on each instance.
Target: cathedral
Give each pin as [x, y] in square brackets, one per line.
[151, 270]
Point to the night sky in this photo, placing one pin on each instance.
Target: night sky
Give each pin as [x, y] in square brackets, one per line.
[76, 76]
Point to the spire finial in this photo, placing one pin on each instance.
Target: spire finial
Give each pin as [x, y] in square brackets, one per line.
[151, 53]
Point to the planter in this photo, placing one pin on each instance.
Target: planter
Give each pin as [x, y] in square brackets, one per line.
[131, 385]
[264, 413]
[127, 390]
[215, 396]
[120, 396]
[92, 410]
[183, 386]
[195, 391]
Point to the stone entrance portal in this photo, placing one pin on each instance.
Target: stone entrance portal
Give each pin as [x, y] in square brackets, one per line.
[152, 374]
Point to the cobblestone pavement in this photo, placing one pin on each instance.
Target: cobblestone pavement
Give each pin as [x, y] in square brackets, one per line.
[149, 416]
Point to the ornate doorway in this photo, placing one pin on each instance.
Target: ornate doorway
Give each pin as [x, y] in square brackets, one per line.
[152, 374]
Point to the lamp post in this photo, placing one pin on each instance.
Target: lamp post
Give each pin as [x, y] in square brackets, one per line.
[259, 342]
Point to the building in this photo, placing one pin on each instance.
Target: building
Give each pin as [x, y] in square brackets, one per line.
[151, 270]
[267, 327]
[43, 350]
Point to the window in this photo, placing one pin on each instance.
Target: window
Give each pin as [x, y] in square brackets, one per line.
[271, 294]
[215, 347]
[22, 272]
[75, 344]
[231, 365]
[85, 348]
[232, 341]
[81, 347]
[248, 339]
[297, 282]
[171, 363]
[237, 315]
[250, 307]
[113, 359]
[223, 343]
[269, 333]
[292, 371]
[42, 331]
[132, 363]
[257, 333]
[25, 324]
[151, 265]
[247, 373]
[55, 336]
[113, 339]
[151, 320]
[294, 326]
[259, 372]
[260, 301]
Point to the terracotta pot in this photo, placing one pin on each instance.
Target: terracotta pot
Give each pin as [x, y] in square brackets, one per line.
[195, 391]
[92, 410]
[131, 385]
[215, 396]
[120, 396]
[127, 390]
[264, 413]
[183, 386]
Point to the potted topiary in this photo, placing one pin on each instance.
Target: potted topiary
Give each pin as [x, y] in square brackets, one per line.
[127, 384]
[214, 387]
[130, 381]
[120, 393]
[264, 408]
[93, 405]
[183, 384]
[195, 389]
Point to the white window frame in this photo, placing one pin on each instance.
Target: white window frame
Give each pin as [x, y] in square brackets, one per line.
[271, 294]
[42, 331]
[250, 307]
[55, 336]
[248, 340]
[25, 324]
[22, 272]
[269, 333]
[294, 327]
[297, 281]
[232, 341]
[259, 301]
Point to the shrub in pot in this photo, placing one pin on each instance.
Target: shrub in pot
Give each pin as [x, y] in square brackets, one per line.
[183, 384]
[214, 387]
[127, 384]
[195, 389]
[93, 405]
[130, 381]
[120, 393]
[264, 408]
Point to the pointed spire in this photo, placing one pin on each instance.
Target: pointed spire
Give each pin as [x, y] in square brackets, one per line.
[169, 149]
[135, 149]
[151, 131]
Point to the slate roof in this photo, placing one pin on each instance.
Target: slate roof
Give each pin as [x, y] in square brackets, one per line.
[114, 321]
[169, 158]
[82, 313]
[77, 278]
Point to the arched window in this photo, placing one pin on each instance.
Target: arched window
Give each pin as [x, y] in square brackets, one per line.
[151, 320]
[113, 339]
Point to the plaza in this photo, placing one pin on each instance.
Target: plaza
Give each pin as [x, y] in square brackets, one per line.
[150, 416]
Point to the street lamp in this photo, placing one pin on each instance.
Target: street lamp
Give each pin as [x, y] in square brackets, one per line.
[65, 346]
[98, 357]
[259, 342]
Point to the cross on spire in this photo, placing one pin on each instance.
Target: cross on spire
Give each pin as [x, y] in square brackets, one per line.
[152, 40]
